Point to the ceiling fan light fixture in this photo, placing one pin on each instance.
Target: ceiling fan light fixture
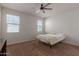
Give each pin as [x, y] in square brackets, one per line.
[43, 8]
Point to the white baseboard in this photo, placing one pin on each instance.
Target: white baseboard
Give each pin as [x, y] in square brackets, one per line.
[72, 43]
[11, 43]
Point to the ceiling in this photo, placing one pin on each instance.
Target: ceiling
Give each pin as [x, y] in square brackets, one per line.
[32, 8]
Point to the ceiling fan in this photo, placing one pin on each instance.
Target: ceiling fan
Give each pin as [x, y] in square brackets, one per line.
[44, 7]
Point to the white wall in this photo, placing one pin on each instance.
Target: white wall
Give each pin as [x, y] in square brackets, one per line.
[28, 26]
[68, 23]
[0, 22]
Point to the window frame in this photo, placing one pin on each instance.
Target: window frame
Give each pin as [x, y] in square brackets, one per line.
[17, 24]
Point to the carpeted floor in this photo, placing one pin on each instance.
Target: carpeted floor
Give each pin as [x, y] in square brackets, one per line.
[36, 48]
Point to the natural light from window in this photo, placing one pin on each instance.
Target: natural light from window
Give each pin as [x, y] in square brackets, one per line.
[13, 22]
[39, 25]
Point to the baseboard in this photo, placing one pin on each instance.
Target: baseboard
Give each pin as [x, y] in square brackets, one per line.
[71, 43]
[19, 42]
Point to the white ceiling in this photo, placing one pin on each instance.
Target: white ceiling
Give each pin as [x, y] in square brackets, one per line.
[33, 7]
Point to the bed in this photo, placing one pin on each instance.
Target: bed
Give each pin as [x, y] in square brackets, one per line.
[50, 39]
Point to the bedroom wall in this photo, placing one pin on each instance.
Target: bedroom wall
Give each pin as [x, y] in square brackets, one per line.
[28, 26]
[0, 23]
[67, 23]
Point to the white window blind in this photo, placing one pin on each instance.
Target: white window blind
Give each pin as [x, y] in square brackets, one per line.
[39, 25]
[13, 23]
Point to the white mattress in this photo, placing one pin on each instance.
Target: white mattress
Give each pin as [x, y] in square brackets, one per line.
[50, 38]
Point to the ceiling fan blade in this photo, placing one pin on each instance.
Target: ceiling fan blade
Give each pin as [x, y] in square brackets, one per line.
[48, 8]
[46, 5]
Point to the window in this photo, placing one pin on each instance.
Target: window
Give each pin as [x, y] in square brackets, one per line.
[39, 25]
[12, 23]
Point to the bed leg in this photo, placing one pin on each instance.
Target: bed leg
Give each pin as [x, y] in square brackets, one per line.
[50, 46]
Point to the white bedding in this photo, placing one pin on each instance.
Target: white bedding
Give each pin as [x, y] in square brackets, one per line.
[50, 38]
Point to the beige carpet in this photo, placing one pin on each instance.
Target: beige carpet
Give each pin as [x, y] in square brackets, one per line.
[36, 48]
